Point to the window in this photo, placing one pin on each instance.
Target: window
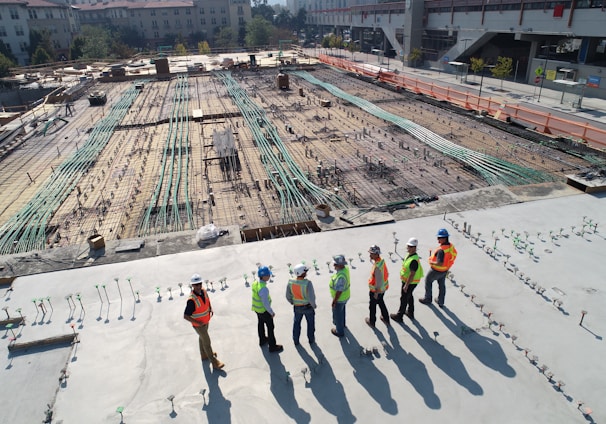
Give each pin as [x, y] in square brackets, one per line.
[19, 30]
[240, 10]
[241, 20]
[223, 21]
[176, 12]
[212, 10]
[23, 46]
[201, 11]
[189, 23]
[3, 32]
[132, 13]
[156, 34]
[213, 21]
[178, 23]
[154, 24]
[166, 23]
[153, 12]
[203, 21]
[188, 11]
[32, 14]
[223, 10]
[14, 13]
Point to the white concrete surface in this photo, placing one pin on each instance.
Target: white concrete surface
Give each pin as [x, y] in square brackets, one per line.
[451, 366]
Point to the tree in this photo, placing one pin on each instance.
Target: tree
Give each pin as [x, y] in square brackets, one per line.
[41, 56]
[263, 10]
[121, 50]
[203, 47]
[42, 40]
[76, 50]
[353, 47]
[6, 53]
[415, 56]
[258, 32]
[180, 50]
[96, 42]
[283, 19]
[503, 68]
[225, 38]
[477, 65]
[298, 21]
[5, 65]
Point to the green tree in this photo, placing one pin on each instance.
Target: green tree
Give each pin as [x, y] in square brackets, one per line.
[6, 53]
[180, 50]
[76, 50]
[225, 38]
[503, 68]
[258, 32]
[263, 10]
[121, 50]
[415, 56]
[298, 21]
[42, 40]
[477, 65]
[283, 19]
[96, 42]
[203, 47]
[5, 65]
[41, 56]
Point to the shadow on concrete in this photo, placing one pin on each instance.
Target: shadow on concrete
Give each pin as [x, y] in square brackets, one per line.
[281, 387]
[486, 350]
[218, 409]
[367, 374]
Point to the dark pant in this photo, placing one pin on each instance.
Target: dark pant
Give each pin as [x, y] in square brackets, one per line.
[310, 316]
[440, 277]
[407, 301]
[266, 320]
[373, 307]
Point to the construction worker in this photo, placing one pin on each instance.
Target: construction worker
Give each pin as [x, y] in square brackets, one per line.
[339, 292]
[440, 262]
[410, 274]
[199, 311]
[377, 284]
[300, 294]
[261, 304]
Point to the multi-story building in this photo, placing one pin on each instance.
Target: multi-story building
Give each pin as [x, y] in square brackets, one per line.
[14, 28]
[57, 18]
[155, 20]
[560, 40]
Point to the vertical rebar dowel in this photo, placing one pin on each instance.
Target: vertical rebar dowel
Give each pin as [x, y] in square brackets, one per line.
[99, 292]
[105, 290]
[79, 300]
[131, 287]
[119, 291]
[41, 305]
[48, 299]
[583, 313]
[180, 289]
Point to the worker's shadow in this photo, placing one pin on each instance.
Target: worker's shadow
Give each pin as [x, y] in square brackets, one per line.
[486, 350]
[329, 392]
[411, 369]
[217, 408]
[451, 365]
[367, 374]
[282, 388]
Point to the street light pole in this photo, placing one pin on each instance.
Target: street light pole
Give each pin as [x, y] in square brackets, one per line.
[482, 81]
[544, 74]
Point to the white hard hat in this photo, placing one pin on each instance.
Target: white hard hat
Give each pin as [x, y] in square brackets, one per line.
[412, 242]
[300, 269]
[196, 279]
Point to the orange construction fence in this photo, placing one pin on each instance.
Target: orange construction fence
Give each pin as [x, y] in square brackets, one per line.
[497, 108]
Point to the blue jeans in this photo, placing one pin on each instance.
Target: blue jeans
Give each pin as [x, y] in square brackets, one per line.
[310, 316]
[432, 276]
[338, 317]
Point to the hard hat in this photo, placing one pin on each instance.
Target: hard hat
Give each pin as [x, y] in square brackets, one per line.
[412, 242]
[300, 269]
[374, 249]
[196, 279]
[339, 260]
[263, 271]
[442, 233]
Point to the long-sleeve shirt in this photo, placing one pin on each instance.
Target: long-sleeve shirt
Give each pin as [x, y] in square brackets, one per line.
[311, 295]
[264, 295]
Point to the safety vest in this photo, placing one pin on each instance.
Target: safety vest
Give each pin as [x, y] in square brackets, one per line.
[298, 288]
[405, 271]
[257, 303]
[372, 284]
[202, 311]
[333, 280]
[450, 254]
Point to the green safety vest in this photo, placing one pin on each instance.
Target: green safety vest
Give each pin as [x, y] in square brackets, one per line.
[257, 304]
[333, 280]
[405, 271]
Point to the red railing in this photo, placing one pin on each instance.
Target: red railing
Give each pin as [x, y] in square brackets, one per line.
[497, 108]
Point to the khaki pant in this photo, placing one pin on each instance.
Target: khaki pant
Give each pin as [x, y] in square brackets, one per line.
[206, 350]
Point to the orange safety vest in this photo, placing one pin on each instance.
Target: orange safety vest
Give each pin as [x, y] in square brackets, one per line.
[372, 284]
[298, 288]
[450, 254]
[202, 311]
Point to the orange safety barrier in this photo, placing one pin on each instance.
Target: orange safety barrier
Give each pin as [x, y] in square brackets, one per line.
[497, 108]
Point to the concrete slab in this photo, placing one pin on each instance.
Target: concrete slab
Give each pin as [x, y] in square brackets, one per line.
[473, 360]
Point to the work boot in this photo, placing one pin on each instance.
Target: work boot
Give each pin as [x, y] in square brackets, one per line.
[217, 364]
[396, 318]
[370, 324]
[276, 348]
[386, 321]
[409, 315]
[441, 305]
[425, 301]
